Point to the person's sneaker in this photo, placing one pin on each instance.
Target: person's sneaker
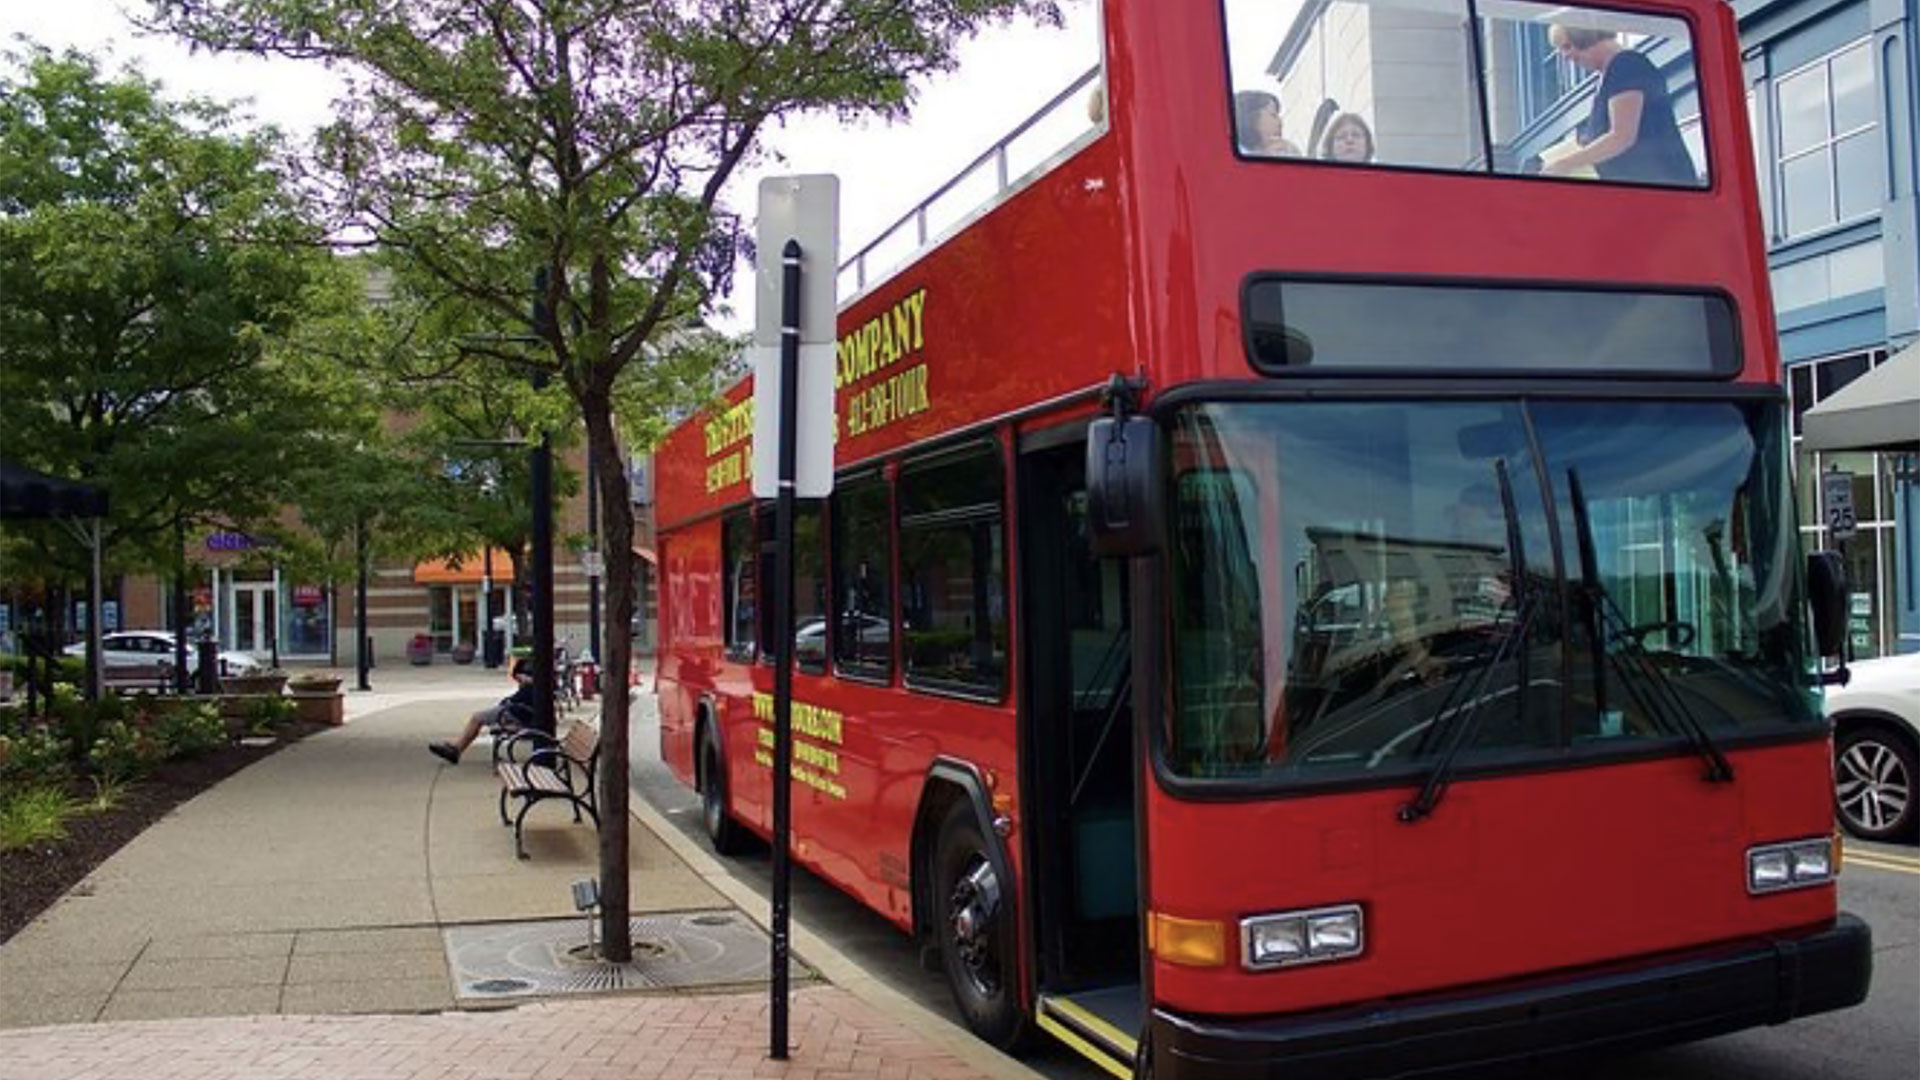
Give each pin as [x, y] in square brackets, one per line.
[446, 752]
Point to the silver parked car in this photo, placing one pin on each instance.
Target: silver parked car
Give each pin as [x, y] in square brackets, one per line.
[1876, 740]
[141, 655]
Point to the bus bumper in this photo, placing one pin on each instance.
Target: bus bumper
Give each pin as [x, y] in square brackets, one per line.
[1668, 1000]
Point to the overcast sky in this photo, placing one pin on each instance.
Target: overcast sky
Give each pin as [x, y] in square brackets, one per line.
[884, 169]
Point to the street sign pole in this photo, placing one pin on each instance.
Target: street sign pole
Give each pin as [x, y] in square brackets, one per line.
[783, 636]
[792, 459]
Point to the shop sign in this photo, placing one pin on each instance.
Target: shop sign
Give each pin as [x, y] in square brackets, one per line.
[234, 541]
[307, 596]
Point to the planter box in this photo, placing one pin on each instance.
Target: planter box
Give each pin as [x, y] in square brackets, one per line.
[254, 684]
[320, 708]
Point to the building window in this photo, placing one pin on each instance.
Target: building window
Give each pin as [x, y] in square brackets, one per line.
[863, 578]
[1829, 138]
[953, 572]
[1872, 563]
[1821, 278]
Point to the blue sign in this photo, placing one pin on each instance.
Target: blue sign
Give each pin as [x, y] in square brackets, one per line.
[233, 541]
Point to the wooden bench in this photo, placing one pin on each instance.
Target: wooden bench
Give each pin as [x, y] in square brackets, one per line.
[533, 767]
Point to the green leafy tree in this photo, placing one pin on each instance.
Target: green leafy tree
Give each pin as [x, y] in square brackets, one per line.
[150, 255]
[587, 141]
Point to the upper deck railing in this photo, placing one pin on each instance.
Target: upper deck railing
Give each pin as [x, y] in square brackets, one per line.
[1032, 149]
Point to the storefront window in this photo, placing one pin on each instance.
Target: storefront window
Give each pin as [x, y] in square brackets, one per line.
[309, 621]
[1873, 552]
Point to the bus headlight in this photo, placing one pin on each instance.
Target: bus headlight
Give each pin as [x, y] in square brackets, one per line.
[1796, 864]
[1289, 938]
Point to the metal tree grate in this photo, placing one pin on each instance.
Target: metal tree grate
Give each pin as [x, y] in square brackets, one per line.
[674, 951]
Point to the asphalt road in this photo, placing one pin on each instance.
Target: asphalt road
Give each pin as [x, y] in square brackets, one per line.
[1878, 1040]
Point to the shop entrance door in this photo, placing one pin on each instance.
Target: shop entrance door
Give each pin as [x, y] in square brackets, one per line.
[254, 614]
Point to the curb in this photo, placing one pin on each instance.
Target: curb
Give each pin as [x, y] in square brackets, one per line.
[835, 966]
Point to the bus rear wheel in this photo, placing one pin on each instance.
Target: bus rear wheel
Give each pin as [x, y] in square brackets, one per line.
[974, 924]
[724, 833]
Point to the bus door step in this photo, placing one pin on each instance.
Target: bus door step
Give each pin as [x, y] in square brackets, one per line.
[1101, 1025]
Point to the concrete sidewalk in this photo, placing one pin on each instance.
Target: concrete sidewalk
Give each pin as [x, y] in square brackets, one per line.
[316, 884]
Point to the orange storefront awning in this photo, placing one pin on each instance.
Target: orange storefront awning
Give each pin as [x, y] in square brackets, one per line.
[468, 569]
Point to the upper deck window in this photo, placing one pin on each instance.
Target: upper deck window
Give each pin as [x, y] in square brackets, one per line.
[1465, 86]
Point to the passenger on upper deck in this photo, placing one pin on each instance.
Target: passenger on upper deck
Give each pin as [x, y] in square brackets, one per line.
[1257, 125]
[1348, 139]
[1630, 134]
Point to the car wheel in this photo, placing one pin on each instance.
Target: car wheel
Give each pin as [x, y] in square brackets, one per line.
[726, 835]
[1873, 775]
[974, 922]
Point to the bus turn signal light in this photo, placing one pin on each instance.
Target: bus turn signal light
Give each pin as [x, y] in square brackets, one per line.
[1187, 942]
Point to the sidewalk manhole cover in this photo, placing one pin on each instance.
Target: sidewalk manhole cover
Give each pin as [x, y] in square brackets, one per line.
[672, 951]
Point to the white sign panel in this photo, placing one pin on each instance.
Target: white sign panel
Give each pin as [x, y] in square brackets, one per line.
[813, 446]
[804, 209]
[807, 209]
[1836, 503]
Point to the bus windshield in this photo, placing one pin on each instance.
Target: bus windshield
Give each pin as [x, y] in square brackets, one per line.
[1352, 578]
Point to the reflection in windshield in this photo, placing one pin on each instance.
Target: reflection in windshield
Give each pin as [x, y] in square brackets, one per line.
[1347, 581]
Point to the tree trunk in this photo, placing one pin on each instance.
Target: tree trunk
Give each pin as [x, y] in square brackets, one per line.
[616, 512]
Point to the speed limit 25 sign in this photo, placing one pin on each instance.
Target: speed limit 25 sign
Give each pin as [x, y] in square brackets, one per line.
[1836, 504]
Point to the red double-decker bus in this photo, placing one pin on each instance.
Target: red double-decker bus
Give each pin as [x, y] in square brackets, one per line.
[1311, 585]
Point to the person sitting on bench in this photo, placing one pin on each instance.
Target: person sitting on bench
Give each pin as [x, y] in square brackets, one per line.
[514, 712]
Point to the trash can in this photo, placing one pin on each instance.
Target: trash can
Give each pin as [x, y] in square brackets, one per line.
[207, 666]
[494, 648]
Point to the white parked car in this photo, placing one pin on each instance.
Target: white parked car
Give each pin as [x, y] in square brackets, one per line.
[1876, 741]
[140, 655]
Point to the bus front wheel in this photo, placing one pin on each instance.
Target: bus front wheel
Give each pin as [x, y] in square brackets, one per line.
[973, 918]
[726, 835]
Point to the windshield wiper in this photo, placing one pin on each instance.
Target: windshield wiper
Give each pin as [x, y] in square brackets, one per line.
[1460, 731]
[1654, 691]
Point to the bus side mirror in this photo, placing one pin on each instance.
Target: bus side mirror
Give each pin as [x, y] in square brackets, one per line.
[1123, 486]
[1827, 594]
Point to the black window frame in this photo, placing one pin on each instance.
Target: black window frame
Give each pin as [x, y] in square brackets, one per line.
[993, 516]
[732, 523]
[809, 603]
[1727, 348]
[846, 663]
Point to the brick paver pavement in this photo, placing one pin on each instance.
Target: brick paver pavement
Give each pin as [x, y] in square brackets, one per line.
[833, 1037]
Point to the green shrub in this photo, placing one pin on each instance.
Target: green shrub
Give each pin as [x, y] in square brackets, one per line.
[34, 755]
[33, 815]
[266, 713]
[70, 670]
[194, 729]
[106, 795]
[123, 751]
[80, 722]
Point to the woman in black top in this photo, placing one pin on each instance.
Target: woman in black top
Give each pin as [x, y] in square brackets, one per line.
[1631, 133]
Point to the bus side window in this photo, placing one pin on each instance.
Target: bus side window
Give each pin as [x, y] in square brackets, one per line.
[862, 593]
[953, 568]
[809, 586]
[740, 593]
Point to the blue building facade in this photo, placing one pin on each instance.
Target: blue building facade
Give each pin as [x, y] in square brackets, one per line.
[1833, 90]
